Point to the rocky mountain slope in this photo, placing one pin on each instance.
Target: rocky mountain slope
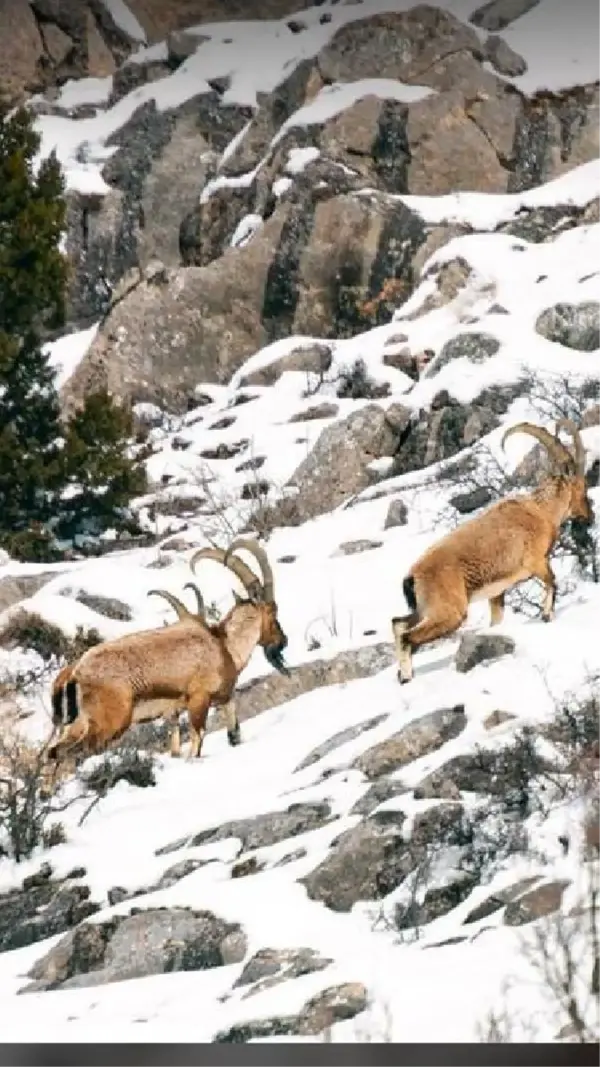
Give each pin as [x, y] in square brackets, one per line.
[327, 270]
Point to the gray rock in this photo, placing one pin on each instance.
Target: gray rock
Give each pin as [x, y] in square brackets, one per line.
[341, 738]
[318, 1014]
[573, 325]
[109, 606]
[370, 860]
[503, 58]
[354, 548]
[417, 739]
[397, 514]
[436, 902]
[337, 466]
[535, 904]
[474, 649]
[498, 900]
[261, 831]
[269, 966]
[500, 13]
[155, 941]
[465, 503]
[476, 347]
[42, 908]
[19, 587]
[314, 359]
[381, 790]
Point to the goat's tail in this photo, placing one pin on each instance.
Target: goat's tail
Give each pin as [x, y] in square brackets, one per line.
[408, 588]
[65, 699]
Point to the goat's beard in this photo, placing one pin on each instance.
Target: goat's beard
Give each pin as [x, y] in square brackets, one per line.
[274, 656]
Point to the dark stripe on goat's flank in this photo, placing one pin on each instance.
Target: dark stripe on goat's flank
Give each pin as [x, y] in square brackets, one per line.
[71, 695]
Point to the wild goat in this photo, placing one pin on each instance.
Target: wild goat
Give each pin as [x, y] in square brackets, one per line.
[508, 543]
[189, 664]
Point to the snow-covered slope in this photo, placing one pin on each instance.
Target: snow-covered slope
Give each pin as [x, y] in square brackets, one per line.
[453, 974]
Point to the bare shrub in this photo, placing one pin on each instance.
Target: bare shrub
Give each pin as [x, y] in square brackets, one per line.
[28, 799]
[28, 630]
[123, 763]
[355, 383]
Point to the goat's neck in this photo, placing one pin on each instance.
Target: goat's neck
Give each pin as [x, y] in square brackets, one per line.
[242, 633]
[553, 495]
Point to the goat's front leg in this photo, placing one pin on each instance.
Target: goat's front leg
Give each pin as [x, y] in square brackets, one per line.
[425, 631]
[197, 705]
[546, 575]
[496, 609]
[400, 624]
[229, 717]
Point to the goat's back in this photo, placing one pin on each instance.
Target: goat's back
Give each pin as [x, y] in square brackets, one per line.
[485, 552]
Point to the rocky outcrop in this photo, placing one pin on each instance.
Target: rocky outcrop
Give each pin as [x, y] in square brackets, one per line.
[318, 1015]
[370, 860]
[43, 43]
[155, 941]
[43, 907]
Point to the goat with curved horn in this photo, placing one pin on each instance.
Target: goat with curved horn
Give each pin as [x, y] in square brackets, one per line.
[175, 602]
[241, 570]
[578, 446]
[508, 543]
[200, 605]
[252, 546]
[558, 452]
[187, 664]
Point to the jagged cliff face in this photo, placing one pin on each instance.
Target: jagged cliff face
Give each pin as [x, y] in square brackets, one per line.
[45, 42]
[227, 191]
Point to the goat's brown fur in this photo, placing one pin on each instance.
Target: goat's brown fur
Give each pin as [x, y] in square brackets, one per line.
[508, 543]
[188, 664]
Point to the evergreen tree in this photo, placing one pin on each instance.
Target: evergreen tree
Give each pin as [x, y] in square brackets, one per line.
[33, 276]
[40, 458]
[100, 473]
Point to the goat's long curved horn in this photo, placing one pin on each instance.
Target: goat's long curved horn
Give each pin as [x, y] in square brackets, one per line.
[252, 546]
[180, 608]
[246, 576]
[578, 446]
[555, 448]
[201, 607]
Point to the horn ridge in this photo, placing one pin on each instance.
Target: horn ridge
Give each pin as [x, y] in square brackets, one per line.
[178, 605]
[252, 546]
[555, 448]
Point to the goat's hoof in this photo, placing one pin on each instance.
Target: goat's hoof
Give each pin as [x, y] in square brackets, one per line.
[547, 618]
[401, 679]
[234, 736]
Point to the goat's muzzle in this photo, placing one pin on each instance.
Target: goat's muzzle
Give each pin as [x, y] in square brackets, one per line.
[274, 656]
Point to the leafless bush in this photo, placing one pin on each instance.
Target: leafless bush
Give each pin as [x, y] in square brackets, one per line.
[562, 952]
[355, 383]
[28, 630]
[28, 799]
[122, 763]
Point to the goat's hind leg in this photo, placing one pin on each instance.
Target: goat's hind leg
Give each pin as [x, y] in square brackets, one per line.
[546, 575]
[427, 630]
[400, 625]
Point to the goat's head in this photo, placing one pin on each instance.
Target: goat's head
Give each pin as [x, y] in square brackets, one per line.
[260, 594]
[569, 464]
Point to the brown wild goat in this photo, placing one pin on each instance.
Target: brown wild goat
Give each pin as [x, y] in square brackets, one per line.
[508, 543]
[189, 664]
